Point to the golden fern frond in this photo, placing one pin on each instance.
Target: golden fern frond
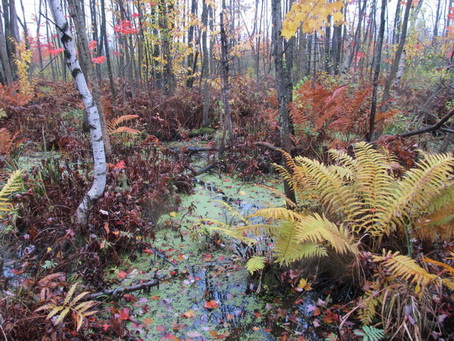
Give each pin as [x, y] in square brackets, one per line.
[405, 267]
[126, 130]
[113, 125]
[344, 172]
[320, 230]
[228, 230]
[285, 175]
[438, 225]
[12, 185]
[258, 229]
[372, 183]
[233, 211]
[446, 195]
[369, 303]
[277, 213]
[255, 263]
[415, 191]
[334, 194]
[448, 268]
[288, 249]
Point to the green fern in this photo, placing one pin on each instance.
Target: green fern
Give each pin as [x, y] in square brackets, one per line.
[12, 185]
[370, 333]
[255, 263]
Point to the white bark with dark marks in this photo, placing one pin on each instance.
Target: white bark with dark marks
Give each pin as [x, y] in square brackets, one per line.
[96, 139]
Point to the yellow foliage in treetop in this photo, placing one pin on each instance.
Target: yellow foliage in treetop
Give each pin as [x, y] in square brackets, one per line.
[312, 16]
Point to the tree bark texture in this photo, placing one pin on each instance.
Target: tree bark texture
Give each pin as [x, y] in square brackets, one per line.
[96, 138]
[283, 82]
[378, 53]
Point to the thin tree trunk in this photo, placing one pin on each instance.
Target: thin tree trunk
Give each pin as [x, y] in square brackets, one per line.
[205, 66]
[4, 56]
[96, 137]
[79, 22]
[397, 57]
[284, 83]
[378, 52]
[226, 118]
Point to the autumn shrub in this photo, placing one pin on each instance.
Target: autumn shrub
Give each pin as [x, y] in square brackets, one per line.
[330, 116]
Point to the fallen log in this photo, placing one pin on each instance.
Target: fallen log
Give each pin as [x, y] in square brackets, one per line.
[122, 290]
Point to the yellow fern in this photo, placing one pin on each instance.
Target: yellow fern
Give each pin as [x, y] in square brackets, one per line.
[79, 311]
[319, 230]
[289, 249]
[12, 185]
[415, 192]
[404, 267]
[255, 263]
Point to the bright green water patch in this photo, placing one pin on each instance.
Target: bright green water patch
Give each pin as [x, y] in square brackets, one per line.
[204, 291]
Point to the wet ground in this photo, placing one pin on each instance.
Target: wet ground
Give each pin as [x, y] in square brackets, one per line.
[205, 292]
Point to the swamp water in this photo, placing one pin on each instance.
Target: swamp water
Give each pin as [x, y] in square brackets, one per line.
[204, 291]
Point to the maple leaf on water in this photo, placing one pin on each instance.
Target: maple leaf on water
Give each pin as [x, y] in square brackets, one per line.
[212, 304]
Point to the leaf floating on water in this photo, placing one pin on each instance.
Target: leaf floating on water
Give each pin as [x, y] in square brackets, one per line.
[212, 304]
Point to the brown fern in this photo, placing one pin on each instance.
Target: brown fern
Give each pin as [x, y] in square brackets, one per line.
[6, 141]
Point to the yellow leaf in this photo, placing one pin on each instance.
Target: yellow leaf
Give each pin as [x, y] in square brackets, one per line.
[173, 214]
[304, 285]
[242, 193]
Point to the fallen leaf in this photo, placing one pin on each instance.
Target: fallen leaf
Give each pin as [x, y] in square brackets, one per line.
[105, 326]
[173, 214]
[124, 314]
[242, 193]
[189, 314]
[122, 274]
[130, 297]
[211, 304]
[193, 334]
[160, 328]
[147, 320]
[147, 250]
[155, 297]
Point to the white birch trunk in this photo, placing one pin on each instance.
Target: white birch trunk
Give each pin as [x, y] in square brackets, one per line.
[97, 143]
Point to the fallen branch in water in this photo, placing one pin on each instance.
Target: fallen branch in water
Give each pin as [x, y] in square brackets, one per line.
[122, 290]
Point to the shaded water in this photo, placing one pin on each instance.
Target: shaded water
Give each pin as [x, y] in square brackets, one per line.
[207, 293]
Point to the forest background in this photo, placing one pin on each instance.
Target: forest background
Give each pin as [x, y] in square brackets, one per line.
[245, 85]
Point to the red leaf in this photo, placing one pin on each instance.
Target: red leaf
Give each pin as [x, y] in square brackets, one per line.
[130, 297]
[155, 297]
[120, 165]
[147, 250]
[122, 274]
[124, 314]
[211, 304]
[105, 326]
[160, 328]
[99, 60]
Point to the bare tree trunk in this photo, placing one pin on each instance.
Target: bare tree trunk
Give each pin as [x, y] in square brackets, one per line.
[5, 61]
[96, 138]
[226, 119]
[107, 50]
[79, 23]
[205, 66]
[283, 82]
[378, 52]
[397, 57]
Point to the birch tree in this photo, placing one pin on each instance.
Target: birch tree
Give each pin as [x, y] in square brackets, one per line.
[96, 138]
